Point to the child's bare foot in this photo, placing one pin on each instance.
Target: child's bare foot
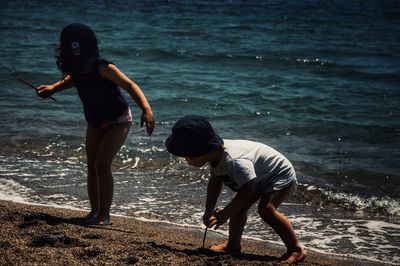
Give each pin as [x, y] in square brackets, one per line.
[225, 248]
[220, 248]
[295, 256]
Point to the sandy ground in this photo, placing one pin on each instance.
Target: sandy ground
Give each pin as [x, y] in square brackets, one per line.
[44, 235]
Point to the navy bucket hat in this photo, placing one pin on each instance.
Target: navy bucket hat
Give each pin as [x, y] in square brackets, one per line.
[192, 136]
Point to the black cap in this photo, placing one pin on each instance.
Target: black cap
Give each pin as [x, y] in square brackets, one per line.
[192, 136]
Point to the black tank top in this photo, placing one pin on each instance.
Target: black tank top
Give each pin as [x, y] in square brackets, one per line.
[102, 99]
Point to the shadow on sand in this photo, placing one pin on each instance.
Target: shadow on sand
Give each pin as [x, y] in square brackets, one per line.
[33, 219]
[218, 255]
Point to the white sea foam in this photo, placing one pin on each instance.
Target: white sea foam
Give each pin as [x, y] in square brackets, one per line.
[137, 159]
[391, 206]
[360, 236]
[148, 199]
[13, 191]
[327, 241]
[60, 196]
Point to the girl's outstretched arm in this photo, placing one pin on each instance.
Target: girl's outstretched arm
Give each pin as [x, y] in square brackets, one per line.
[45, 91]
[113, 74]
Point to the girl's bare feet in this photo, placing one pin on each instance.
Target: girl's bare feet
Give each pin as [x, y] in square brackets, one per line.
[105, 220]
[294, 256]
[90, 218]
[91, 215]
[224, 247]
[98, 220]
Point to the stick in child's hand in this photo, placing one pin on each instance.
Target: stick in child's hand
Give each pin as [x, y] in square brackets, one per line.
[205, 235]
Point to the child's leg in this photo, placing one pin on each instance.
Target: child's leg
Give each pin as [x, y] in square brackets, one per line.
[282, 226]
[111, 143]
[93, 141]
[236, 226]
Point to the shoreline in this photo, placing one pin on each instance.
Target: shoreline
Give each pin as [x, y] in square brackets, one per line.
[36, 234]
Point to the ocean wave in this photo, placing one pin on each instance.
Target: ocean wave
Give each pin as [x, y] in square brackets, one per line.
[350, 73]
[13, 191]
[326, 198]
[250, 56]
[269, 59]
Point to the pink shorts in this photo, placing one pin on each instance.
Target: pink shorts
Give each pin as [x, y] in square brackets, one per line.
[123, 118]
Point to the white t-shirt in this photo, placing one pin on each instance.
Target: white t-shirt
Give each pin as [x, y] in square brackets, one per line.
[244, 160]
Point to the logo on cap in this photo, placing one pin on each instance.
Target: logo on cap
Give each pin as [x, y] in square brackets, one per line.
[76, 49]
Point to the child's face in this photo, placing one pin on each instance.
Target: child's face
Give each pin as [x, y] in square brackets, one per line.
[197, 161]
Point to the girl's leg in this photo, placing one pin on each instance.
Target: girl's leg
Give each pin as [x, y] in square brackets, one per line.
[282, 226]
[111, 143]
[93, 141]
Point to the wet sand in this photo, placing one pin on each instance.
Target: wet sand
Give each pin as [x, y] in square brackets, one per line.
[33, 234]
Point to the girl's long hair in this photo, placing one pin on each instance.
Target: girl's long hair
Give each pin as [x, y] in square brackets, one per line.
[78, 50]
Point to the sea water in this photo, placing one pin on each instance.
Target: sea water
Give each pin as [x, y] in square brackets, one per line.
[317, 80]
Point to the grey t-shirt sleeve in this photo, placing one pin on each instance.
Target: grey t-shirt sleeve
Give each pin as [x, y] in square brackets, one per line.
[242, 171]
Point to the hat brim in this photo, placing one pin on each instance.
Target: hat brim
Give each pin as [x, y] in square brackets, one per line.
[170, 145]
[180, 149]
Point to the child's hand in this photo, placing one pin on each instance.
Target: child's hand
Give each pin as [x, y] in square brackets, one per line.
[217, 219]
[148, 118]
[45, 91]
[206, 218]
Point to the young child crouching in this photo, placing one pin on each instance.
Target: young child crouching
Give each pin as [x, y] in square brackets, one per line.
[253, 170]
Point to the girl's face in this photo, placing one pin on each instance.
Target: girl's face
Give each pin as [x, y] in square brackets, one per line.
[78, 49]
[197, 161]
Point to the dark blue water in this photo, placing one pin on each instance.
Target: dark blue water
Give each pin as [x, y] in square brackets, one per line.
[319, 81]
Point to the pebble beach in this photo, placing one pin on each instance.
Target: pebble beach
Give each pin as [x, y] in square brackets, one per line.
[42, 235]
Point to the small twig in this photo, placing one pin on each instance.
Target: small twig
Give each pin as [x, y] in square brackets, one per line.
[205, 235]
[30, 85]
